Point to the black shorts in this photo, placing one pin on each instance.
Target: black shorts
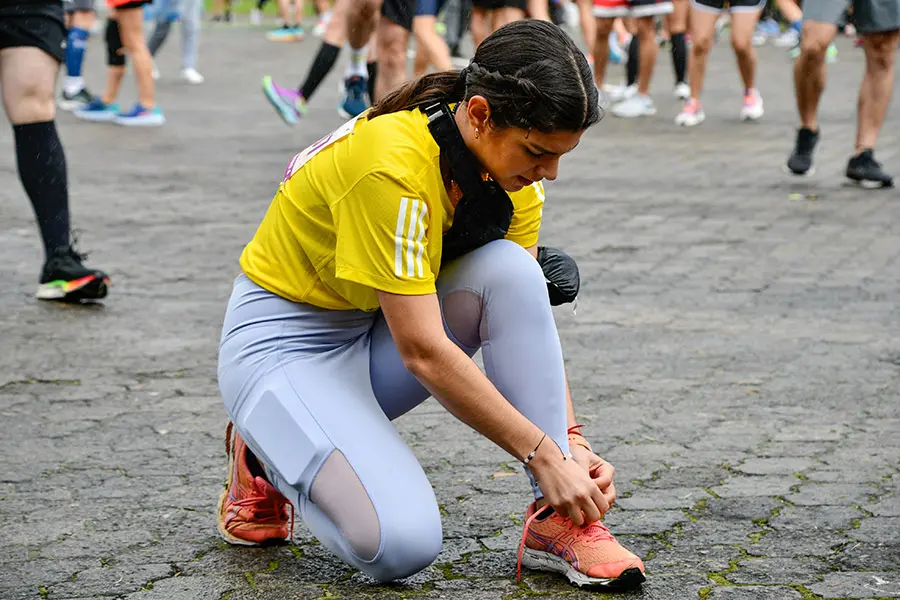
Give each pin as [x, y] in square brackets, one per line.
[34, 24]
[400, 12]
[495, 4]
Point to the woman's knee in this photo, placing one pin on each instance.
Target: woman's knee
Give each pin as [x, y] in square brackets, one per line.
[390, 537]
[411, 539]
[507, 266]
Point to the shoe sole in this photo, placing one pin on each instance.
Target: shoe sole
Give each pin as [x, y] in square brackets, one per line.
[868, 184]
[70, 105]
[751, 118]
[537, 560]
[96, 117]
[643, 114]
[86, 288]
[680, 123]
[150, 122]
[275, 101]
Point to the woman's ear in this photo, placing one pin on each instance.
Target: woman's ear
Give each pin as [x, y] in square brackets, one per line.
[479, 112]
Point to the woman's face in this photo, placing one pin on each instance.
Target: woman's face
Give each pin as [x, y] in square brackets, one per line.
[513, 157]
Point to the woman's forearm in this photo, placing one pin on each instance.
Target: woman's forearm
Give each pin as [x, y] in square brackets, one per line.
[460, 386]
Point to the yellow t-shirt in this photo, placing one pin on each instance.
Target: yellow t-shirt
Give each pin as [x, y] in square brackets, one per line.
[365, 209]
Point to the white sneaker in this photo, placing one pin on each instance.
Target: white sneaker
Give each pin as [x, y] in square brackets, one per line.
[682, 91]
[192, 76]
[255, 16]
[155, 72]
[753, 106]
[692, 114]
[639, 105]
[618, 93]
[788, 39]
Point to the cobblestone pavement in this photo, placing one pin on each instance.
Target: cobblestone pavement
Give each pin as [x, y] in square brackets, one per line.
[735, 353]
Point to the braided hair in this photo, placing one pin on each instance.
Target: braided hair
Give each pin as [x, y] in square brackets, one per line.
[531, 73]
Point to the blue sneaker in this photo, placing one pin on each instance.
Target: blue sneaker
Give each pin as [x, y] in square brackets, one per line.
[289, 103]
[98, 112]
[141, 117]
[286, 34]
[616, 54]
[356, 97]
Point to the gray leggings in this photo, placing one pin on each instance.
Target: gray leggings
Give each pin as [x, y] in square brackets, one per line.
[190, 28]
[313, 392]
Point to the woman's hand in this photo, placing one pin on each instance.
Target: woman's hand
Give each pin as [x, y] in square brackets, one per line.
[568, 486]
[600, 471]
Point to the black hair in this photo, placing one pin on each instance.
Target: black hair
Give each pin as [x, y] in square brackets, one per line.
[531, 73]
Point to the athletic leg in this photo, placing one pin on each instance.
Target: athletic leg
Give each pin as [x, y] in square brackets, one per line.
[312, 419]
[743, 24]
[191, 12]
[392, 39]
[877, 85]
[132, 31]
[164, 8]
[81, 19]
[27, 80]
[494, 298]
[677, 29]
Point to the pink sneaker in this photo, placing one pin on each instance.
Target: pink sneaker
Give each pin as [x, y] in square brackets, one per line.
[587, 556]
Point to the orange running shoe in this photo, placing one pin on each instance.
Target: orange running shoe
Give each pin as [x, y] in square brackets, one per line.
[251, 511]
[588, 556]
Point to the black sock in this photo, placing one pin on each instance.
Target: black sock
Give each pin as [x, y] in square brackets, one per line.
[679, 57]
[372, 67]
[321, 66]
[634, 56]
[261, 4]
[42, 170]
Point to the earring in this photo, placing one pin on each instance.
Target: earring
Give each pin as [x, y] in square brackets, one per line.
[476, 133]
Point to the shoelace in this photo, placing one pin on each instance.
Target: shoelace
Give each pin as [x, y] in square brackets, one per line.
[264, 508]
[594, 532]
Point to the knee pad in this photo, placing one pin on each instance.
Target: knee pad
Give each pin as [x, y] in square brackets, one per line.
[561, 271]
[114, 55]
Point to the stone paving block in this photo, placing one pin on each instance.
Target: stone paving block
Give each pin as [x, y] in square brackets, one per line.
[754, 593]
[886, 506]
[643, 522]
[822, 544]
[691, 558]
[100, 581]
[856, 556]
[182, 588]
[885, 530]
[815, 518]
[769, 485]
[663, 499]
[858, 585]
[770, 571]
[752, 509]
[775, 466]
[837, 494]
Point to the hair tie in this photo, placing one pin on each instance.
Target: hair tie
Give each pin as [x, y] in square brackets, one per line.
[462, 83]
